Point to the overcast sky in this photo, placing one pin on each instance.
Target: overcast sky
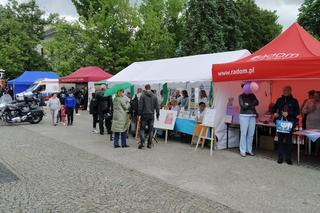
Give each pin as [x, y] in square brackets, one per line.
[287, 10]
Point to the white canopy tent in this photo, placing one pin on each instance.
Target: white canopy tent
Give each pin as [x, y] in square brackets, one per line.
[176, 70]
[193, 70]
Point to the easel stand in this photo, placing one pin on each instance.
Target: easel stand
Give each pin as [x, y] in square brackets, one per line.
[196, 133]
[138, 133]
[166, 135]
[204, 137]
[138, 130]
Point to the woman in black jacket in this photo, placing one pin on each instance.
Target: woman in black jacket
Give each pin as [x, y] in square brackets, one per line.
[248, 113]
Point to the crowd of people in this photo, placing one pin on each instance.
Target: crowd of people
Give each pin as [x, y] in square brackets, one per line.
[63, 105]
[125, 113]
[286, 108]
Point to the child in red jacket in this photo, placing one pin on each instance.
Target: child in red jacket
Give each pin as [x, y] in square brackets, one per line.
[63, 115]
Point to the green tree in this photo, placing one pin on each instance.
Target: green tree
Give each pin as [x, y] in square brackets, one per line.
[309, 14]
[203, 29]
[87, 8]
[174, 19]
[102, 38]
[258, 26]
[65, 51]
[31, 16]
[113, 28]
[153, 39]
[17, 44]
[230, 21]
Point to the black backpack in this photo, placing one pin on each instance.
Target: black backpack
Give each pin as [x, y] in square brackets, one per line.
[134, 105]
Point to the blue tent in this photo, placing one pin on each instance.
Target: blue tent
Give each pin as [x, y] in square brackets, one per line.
[24, 81]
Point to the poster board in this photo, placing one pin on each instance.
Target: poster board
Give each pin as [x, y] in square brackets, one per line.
[209, 117]
[184, 114]
[167, 120]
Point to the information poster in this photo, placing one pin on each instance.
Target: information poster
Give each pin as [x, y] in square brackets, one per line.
[209, 118]
[167, 120]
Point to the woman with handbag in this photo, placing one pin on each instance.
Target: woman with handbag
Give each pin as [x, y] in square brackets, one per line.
[248, 102]
[120, 119]
[285, 111]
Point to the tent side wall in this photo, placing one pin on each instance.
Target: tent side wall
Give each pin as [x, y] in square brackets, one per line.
[18, 88]
[222, 93]
[300, 88]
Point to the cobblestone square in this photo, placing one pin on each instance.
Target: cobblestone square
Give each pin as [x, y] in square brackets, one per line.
[56, 177]
[69, 169]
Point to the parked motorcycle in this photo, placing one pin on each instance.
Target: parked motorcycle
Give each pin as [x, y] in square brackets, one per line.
[25, 111]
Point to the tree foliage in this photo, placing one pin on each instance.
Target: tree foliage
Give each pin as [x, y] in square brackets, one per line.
[153, 39]
[65, 50]
[221, 25]
[113, 34]
[309, 17]
[87, 8]
[258, 26]
[21, 28]
[203, 29]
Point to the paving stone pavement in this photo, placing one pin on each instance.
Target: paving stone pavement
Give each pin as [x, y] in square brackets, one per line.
[56, 177]
[6, 175]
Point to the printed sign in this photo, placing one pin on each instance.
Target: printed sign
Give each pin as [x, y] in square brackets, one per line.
[209, 117]
[284, 126]
[167, 120]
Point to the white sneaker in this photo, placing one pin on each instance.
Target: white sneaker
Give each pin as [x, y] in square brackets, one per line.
[78, 114]
[95, 131]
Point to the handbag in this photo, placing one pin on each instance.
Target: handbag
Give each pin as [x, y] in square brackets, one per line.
[108, 116]
[284, 126]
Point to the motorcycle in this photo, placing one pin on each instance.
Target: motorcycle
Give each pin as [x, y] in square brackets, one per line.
[25, 111]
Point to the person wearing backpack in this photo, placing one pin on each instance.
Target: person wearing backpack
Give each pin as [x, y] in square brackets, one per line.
[94, 112]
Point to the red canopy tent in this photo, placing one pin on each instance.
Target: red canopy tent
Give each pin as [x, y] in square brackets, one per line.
[294, 54]
[86, 74]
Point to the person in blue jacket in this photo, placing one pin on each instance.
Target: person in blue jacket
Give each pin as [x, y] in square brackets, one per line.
[70, 105]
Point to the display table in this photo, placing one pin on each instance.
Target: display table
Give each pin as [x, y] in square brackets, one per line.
[237, 126]
[261, 124]
[185, 125]
[312, 134]
[232, 126]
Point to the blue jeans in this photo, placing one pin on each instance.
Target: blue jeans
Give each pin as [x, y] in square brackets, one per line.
[123, 138]
[247, 128]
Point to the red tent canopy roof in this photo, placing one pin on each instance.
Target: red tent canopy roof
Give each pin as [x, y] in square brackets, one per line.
[86, 74]
[293, 54]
